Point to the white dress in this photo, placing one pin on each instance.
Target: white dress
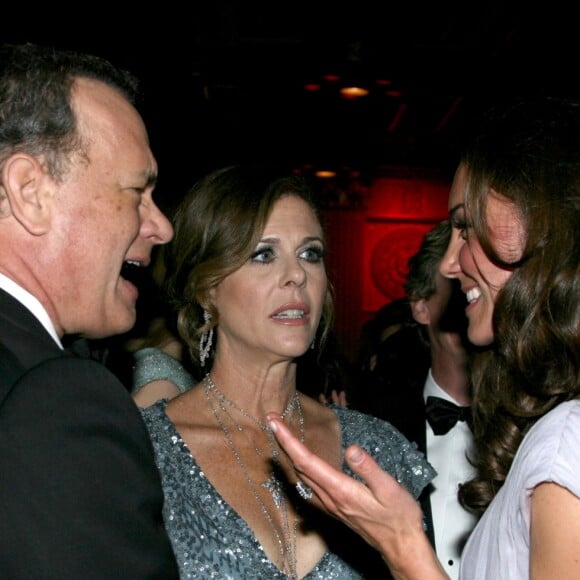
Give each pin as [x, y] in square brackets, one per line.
[499, 546]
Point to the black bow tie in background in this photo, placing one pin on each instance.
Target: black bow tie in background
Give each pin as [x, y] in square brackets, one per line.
[443, 415]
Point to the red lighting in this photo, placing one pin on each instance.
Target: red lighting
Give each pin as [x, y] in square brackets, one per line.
[312, 87]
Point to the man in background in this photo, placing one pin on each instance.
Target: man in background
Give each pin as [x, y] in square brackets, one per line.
[431, 409]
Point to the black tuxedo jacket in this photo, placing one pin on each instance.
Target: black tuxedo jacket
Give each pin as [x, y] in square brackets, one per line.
[80, 495]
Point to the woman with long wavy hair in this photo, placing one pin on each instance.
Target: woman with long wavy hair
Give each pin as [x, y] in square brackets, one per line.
[514, 206]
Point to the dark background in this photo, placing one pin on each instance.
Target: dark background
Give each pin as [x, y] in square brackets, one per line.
[223, 80]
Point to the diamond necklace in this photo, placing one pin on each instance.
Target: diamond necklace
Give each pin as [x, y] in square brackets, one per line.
[286, 540]
[272, 484]
[293, 404]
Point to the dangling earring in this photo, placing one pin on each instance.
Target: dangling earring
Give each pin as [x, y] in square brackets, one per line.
[313, 344]
[205, 341]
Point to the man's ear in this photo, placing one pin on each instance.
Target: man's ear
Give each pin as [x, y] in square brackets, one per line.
[420, 311]
[26, 192]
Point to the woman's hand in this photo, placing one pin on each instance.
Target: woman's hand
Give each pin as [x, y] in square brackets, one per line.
[380, 510]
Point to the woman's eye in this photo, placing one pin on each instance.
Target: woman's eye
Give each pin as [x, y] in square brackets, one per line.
[462, 226]
[263, 255]
[313, 254]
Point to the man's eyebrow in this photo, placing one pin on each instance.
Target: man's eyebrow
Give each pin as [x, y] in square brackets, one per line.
[147, 179]
[150, 178]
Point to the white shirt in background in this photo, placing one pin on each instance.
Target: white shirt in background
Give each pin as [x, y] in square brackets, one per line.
[447, 454]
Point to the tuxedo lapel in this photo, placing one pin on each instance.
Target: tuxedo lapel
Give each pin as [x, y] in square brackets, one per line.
[418, 433]
[23, 334]
[24, 342]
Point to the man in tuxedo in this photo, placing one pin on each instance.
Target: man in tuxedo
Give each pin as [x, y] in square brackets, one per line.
[412, 392]
[80, 496]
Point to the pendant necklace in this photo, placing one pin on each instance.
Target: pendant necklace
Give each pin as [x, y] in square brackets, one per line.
[219, 403]
[272, 484]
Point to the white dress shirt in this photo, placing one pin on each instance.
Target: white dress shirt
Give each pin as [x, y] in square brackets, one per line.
[447, 454]
[31, 303]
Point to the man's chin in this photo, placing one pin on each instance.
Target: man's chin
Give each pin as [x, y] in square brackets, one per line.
[120, 324]
[127, 323]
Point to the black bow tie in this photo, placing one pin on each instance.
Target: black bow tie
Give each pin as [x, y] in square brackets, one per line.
[83, 348]
[443, 415]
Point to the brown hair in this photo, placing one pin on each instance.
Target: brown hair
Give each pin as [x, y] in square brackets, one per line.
[529, 155]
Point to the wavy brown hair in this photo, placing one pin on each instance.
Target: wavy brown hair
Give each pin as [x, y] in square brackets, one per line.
[528, 153]
[217, 227]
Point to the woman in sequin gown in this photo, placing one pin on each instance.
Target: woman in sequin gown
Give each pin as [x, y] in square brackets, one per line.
[246, 275]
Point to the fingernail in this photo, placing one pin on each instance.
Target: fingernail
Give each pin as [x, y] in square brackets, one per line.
[356, 455]
[273, 426]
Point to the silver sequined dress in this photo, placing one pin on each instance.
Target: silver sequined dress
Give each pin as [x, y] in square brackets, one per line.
[152, 364]
[210, 539]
